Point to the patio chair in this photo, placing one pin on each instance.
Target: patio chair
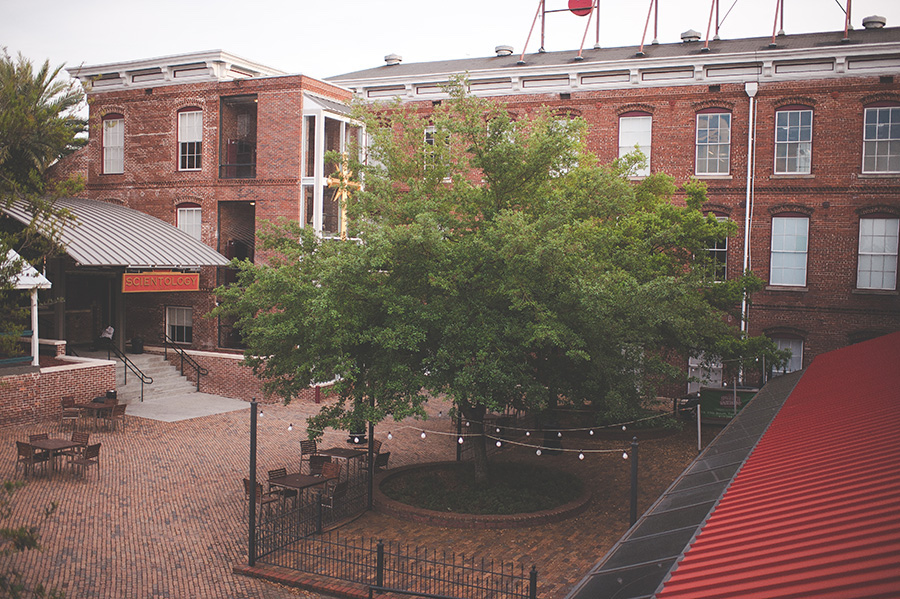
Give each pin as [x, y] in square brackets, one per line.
[69, 412]
[89, 457]
[376, 446]
[333, 495]
[115, 415]
[308, 449]
[278, 473]
[29, 458]
[331, 470]
[316, 462]
[262, 498]
[381, 461]
[38, 437]
[82, 439]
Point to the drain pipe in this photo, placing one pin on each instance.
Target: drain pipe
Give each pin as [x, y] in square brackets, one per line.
[751, 87]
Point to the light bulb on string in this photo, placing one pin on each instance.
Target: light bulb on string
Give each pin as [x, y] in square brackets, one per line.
[499, 444]
[624, 427]
[527, 433]
[260, 414]
[460, 440]
[624, 455]
[497, 430]
[467, 423]
[291, 426]
[390, 436]
[592, 432]
[538, 452]
[423, 434]
[559, 434]
[580, 455]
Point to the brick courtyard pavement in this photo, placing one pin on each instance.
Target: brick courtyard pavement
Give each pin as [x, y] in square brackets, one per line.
[164, 517]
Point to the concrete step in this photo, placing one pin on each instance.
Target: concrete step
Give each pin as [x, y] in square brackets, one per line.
[167, 380]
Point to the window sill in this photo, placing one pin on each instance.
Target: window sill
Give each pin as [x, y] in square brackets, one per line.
[722, 177]
[858, 291]
[792, 176]
[878, 176]
[786, 288]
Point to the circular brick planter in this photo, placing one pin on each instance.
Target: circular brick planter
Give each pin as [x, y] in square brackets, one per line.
[386, 505]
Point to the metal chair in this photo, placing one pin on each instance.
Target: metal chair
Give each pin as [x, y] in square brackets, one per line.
[89, 457]
[116, 415]
[29, 458]
[316, 462]
[381, 461]
[278, 473]
[308, 448]
[69, 412]
[38, 437]
[331, 470]
[262, 498]
[333, 495]
[82, 439]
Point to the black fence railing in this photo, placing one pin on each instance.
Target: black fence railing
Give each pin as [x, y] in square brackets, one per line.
[396, 567]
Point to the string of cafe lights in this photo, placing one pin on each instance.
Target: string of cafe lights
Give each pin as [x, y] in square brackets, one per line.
[499, 441]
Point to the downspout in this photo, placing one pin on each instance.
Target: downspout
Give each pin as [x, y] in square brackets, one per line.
[751, 87]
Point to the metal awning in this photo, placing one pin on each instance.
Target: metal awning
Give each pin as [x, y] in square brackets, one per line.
[107, 234]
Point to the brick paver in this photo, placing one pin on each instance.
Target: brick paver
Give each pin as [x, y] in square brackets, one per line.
[164, 516]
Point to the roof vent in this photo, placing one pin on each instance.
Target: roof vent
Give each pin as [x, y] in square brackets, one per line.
[874, 22]
[503, 50]
[392, 59]
[690, 36]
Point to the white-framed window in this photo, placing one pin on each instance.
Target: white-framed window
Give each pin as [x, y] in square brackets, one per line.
[179, 324]
[793, 141]
[189, 219]
[713, 143]
[718, 254]
[796, 347]
[790, 244]
[881, 140]
[877, 261]
[635, 132]
[190, 140]
[113, 145]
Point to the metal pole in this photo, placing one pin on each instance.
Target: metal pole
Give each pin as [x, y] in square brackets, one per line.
[379, 564]
[634, 480]
[371, 464]
[532, 583]
[251, 510]
[699, 434]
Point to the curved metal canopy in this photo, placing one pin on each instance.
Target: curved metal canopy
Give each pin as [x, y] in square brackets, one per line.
[106, 234]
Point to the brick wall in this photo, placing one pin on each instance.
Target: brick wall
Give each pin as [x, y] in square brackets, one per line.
[35, 396]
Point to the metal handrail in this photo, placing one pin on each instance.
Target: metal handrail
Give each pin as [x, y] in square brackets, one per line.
[169, 342]
[129, 365]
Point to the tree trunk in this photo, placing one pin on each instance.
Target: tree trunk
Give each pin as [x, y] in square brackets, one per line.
[474, 415]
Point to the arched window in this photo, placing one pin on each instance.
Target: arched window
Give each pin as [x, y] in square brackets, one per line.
[635, 132]
[793, 140]
[188, 218]
[881, 138]
[713, 142]
[113, 144]
[190, 139]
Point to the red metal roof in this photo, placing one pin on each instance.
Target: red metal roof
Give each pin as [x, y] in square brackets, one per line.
[815, 510]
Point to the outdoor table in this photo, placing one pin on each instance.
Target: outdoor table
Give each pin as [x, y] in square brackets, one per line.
[94, 408]
[346, 454]
[54, 447]
[298, 482]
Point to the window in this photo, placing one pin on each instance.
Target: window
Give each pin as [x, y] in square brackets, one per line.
[796, 347]
[713, 143]
[881, 140]
[634, 131]
[179, 325]
[790, 240]
[718, 254]
[190, 140]
[113, 144]
[189, 219]
[877, 268]
[793, 141]
[237, 137]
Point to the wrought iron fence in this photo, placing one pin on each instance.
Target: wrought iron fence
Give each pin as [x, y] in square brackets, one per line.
[399, 568]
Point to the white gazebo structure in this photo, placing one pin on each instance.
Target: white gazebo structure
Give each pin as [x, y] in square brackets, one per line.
[29, 278]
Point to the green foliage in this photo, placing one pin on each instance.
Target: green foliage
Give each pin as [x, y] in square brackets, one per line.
[38, 126]
[16, 539]
[499, 265]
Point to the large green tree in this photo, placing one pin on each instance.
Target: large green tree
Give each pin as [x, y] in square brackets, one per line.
[495, 262]
[39, 124]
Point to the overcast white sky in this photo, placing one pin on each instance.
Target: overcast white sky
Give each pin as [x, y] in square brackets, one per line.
[324, 38]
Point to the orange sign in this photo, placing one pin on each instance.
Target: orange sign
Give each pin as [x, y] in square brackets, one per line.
[158, 281]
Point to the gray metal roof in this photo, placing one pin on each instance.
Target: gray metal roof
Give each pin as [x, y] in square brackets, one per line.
[108, 234]
[600, 55]
[641, 560]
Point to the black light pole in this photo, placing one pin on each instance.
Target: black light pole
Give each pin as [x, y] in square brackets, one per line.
[371, 463]
[634, 480]
[251, 510]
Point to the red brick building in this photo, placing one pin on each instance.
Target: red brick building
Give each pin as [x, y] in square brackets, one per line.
[797, 138]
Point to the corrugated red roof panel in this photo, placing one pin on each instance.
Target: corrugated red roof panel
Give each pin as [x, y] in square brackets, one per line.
[815, 510]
